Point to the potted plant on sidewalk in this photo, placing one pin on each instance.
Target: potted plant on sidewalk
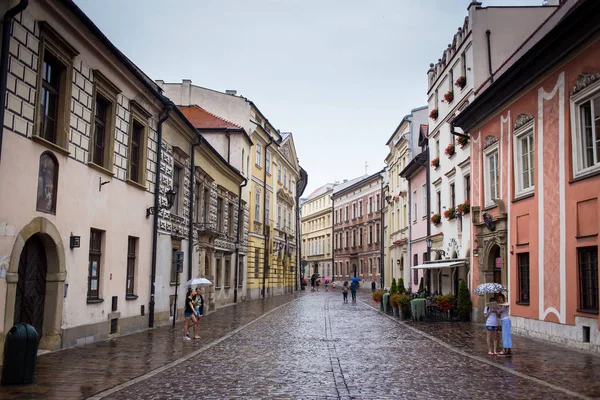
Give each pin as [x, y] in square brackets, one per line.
[463, 303]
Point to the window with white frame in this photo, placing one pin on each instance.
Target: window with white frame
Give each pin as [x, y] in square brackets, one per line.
[257, 206]
[523, 151]
[585, 128]
[414, 206]
[258, 154]
[424, 200]
[268, 162]
[492, 184]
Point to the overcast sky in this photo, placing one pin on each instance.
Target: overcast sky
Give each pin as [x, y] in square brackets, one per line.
[339, 74]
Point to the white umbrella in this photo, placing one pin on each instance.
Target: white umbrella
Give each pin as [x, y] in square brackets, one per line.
[198, 282]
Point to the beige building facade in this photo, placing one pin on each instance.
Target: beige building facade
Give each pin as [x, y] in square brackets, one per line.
[316, 232]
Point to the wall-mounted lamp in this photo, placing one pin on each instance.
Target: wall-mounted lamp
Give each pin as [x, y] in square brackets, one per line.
[74, 241]
[170, 199]
[429, 243]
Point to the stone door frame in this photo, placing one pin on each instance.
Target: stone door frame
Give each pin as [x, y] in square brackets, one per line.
[55, 277]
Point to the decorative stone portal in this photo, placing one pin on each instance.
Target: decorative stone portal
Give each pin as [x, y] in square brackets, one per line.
[491, 234]
[42, 230]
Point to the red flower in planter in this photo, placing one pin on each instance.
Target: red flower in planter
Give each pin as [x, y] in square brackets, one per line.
[450, 150]
[435, 162]
[464, 208]
[461, 82]
[434, 114]
[449, 96]
[436, 218]
[463, 141]
[450, 213]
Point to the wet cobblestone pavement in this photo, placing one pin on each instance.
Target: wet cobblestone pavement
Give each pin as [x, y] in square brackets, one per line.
[312, 346]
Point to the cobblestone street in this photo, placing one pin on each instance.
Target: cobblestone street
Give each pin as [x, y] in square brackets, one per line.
[312, 346]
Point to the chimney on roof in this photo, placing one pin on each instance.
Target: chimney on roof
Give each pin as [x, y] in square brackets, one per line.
[231, 92]
[186, 92]
[159, 82]
[345, 180]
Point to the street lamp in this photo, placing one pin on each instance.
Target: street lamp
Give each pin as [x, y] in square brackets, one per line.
[171, 193]
[429, 243]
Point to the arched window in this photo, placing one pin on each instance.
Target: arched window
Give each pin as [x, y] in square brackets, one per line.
[47, 183]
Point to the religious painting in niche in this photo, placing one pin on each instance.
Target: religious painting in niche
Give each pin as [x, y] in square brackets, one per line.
[47, 184]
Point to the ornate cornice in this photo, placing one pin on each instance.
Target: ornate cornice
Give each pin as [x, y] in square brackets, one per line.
[489, 141]
[522, 119]
[583, 81]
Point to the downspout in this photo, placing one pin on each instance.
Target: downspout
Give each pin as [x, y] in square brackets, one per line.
[238, 240]
[410, 219]
[162, 119]
[428, 179]
[265, 260]
[191, 202]
[333, 234]
[382, 230]
[489, 48]
[6, 23]
[228, 136]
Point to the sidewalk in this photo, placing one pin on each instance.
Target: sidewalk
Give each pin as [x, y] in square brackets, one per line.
[80, 372]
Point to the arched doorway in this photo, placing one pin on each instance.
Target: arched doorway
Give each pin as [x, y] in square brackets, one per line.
[31, 286]
[495, 260]
[35, 281]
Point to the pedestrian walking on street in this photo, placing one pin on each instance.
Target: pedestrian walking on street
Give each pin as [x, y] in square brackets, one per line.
[199, 310]
[506, 325]
[327, 286]
[333, 286]
[190, 314]
[345, 291]
[353, 288]
[490, 313]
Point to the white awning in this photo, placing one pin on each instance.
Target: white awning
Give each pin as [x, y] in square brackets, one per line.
[449, 264]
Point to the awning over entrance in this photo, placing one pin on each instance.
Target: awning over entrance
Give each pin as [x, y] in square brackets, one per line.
[448, 264]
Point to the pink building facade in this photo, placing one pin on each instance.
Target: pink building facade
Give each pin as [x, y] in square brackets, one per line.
[535, 162]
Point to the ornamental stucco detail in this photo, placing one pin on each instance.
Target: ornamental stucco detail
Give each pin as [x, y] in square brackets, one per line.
[583, 81]
[521, 120]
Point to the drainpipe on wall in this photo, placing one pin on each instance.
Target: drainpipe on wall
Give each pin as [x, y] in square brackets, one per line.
[238, 240]
[162, 119]
[333, 232]
[489, 46]
[265, 260]
[6, 24]
[191, 203]
[410, 218]
[228, 136]
[428, 179]
[382, 230]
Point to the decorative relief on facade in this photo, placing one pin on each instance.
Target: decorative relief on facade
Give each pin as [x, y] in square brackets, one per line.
[522, 119]
[489, 141]
[584, 80]
[121, 138]
[81, 111]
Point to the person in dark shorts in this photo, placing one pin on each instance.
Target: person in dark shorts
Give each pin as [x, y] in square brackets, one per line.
[191, 319]
[345, 291]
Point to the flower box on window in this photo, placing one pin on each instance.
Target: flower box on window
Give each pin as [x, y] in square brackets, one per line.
[462, 141]
[434, 114]
[450, 213]
[449, 96]
[464, 208]
[435, 162]
[461, 82]
[436, 218]
[450, 150]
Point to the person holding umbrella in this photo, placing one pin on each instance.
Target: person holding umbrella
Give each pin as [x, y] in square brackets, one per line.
[491, 313]
[354, 287]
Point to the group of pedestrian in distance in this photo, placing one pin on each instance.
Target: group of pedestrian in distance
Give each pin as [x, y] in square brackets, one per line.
[352, 286]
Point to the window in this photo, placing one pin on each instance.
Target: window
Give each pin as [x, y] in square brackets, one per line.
[230, 220]
[354, 238]
[585, 109]
[438, 196]
[284, 177]
[267, 210]
[463, 65]
[424, 200]
[491, 175]
[197, 204]
[47, 183]
[256, 262]
[523, 277]
[227, 272]
[360, 208]
[174, 277]
[353, 210]
[218, 279]
[54, 88]
[279, 218]
[240, 271]
[258, 154]
[131, 250]
[415, 206]
[377, 202]
[279, 173]
[268, 162]
[103, 123]
[257, 206]
[346, 213]
[524, 160]
[452, 195]
[137, 143]
[467, 187]
[377, 233]
[93, 284]
[219, 214]
[360, 237]
[588, 278]
[370, 205]
[347, 239]
[206, 207]
[176, 187]
[284, 220]
[370, 234]
[437, 148]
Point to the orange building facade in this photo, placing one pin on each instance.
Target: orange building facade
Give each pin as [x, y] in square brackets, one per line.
[535, 170]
